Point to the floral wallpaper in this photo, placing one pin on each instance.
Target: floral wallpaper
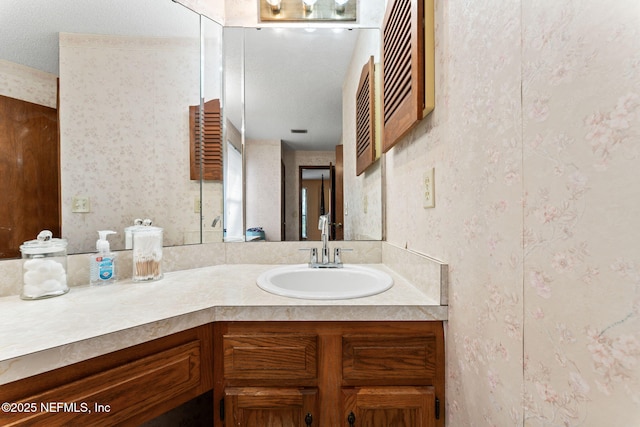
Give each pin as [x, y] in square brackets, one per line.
[581, 106]
[145, 86]
[535, 142]
[28, 84]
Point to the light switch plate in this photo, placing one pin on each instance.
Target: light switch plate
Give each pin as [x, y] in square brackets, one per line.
[196, 205]
[80, 204]
[429, 197]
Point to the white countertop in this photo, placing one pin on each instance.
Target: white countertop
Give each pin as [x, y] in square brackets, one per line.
[37, 336]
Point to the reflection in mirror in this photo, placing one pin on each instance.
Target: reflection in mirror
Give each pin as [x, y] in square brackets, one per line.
[128, 72]
[316, 195]
[233, 54]
[212, 209]
[299, 110]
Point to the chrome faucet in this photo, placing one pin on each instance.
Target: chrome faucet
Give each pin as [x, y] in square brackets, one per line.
[323, 226]
[323, 261]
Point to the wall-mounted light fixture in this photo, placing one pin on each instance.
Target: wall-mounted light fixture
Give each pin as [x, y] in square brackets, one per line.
[307, 10]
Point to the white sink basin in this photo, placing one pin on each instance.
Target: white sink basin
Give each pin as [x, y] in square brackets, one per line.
[300, 281]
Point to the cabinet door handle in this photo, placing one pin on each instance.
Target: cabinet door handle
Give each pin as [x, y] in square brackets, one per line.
[351, 419]
[308, 420]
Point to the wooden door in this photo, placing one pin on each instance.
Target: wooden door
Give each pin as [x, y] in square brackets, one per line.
[338, 187]
[271, 407]
[332, 197]
[283, 213]
[389, 407]
[29, 173]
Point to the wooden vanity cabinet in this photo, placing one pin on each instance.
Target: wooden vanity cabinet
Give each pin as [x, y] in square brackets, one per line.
[387, 374]
[126, 387]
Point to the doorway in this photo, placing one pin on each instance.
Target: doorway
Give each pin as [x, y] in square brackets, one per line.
[315, 186]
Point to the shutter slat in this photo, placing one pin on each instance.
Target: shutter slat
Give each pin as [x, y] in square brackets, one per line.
[206, 143]
[365, 119]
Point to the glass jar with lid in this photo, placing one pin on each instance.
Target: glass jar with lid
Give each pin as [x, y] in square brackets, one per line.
[147, 253]
[44, 267]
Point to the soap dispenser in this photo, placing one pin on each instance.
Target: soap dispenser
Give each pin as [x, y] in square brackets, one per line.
[103, 263]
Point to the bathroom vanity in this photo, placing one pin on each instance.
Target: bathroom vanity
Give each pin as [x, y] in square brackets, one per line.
[131, 351]
[329, 373]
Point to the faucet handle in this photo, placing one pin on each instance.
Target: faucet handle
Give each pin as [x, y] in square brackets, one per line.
[337, 254]
[313, 254]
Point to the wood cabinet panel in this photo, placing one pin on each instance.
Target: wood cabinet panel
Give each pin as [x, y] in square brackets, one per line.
[270, 356]
[389, 407]
[389, 359]
[126, 387]
[387, 373]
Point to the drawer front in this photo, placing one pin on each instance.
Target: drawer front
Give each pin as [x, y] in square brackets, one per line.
[270, 356]
[393, 359]
[113, 396]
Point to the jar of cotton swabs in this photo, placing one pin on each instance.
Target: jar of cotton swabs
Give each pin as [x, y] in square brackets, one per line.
[147, 253]
[44, 267]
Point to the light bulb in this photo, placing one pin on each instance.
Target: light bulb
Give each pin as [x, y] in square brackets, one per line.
[275, 5]
[340, 6]
[308, 5]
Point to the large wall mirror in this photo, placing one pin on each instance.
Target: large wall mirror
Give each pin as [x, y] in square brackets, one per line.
[290, 101]
[128, 72]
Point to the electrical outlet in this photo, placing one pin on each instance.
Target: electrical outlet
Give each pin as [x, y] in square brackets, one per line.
[80, 204]
[429, 200]
[196, 205]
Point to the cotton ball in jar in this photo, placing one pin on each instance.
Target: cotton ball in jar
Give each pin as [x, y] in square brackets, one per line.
[51, 285]
[32, 264]
[33, 278]
[46, 266]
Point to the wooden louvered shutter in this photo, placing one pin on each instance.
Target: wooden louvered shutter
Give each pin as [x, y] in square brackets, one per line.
[365, 119]
[402, 69]
[206, 146]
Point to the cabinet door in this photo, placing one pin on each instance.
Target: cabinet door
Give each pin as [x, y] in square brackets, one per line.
[269, 356]
[388, 407]
[271, 407]
[368, 359]
[124, 388]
